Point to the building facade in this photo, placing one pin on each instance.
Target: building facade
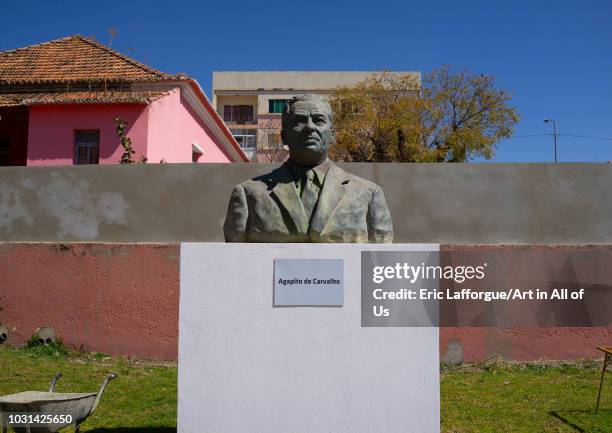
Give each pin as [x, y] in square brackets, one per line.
[251, 103]
[59, 101]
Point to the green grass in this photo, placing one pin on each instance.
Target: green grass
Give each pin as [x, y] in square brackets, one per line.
[142, 399]
[525, 398]
[490, 398]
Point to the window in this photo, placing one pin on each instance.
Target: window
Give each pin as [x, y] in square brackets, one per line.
[246, 138]
[276, 105]
[4, 151]
[241, 114]
[86, 147]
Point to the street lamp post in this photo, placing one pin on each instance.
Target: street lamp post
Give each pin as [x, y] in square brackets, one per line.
[554, 133]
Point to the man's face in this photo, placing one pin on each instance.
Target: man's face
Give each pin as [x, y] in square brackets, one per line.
[308, 133]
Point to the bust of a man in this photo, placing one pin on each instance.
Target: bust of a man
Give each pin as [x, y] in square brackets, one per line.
[308, 198]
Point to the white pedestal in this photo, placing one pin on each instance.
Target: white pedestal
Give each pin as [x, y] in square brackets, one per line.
[247, 367]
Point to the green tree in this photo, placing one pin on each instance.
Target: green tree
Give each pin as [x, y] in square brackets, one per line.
[126, 142]
[452, 117]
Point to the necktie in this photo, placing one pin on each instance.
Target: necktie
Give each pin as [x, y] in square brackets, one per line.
[310, 194]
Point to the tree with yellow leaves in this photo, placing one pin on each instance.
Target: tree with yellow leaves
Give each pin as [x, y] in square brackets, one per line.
[452, 117]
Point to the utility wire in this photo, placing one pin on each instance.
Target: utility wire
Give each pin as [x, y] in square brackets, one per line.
[530, 135]
[563, 135]
[586, 136]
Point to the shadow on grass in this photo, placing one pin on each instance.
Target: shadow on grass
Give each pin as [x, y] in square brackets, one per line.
[585, 421]
[135, 430]
[567, 421]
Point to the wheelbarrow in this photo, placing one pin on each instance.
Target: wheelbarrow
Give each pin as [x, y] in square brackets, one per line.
[47, 412]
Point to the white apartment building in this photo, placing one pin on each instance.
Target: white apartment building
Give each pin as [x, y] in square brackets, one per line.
[251, 103]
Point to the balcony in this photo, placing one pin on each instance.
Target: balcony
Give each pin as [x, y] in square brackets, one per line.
[239, 115]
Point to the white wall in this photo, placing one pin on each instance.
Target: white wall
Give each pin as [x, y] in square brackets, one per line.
[245, 366]
[294, 80]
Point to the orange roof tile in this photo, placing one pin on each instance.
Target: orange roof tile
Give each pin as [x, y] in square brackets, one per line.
[71, 59]
[108, 97]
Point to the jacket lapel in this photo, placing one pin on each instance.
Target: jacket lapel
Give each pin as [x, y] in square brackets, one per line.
[332, 193]
[285, 192]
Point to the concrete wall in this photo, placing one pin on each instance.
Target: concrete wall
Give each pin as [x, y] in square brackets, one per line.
[51, 131]
[116, 299]
[429, 203]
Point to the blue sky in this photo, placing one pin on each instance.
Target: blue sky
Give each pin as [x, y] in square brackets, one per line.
[555, 57]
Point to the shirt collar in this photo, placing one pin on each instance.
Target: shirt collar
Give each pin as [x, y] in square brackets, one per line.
[298, 171]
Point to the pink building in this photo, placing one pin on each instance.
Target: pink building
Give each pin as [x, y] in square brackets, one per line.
[59, 99]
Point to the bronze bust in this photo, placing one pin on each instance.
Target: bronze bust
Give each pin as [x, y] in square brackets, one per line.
[308, 198]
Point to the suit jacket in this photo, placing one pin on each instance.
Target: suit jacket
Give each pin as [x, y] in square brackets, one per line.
[268, 209]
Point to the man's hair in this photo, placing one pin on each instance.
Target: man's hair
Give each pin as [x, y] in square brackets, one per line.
[307, 97]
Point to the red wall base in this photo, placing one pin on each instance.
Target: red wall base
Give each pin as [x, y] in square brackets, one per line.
[122, 299]
[116, 299]
[522, 344]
